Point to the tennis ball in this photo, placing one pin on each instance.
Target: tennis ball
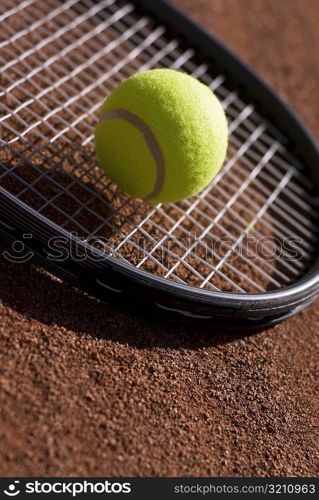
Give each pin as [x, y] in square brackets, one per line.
[162, 135]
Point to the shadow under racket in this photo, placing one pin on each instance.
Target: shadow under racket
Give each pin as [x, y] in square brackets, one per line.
[54, 302]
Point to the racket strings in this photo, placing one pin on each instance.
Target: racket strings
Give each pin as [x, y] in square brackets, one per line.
[253, 229]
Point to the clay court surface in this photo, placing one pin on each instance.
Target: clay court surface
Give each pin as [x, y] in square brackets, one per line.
[90, 390]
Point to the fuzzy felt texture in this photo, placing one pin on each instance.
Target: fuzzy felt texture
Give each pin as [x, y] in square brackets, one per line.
[188, 123]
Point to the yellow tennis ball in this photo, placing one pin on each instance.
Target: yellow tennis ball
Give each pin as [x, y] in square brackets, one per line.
[162, 135]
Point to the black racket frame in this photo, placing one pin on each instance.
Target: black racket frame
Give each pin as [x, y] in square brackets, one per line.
[109, 279]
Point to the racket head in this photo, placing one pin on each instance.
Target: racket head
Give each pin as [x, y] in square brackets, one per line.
[188, 259]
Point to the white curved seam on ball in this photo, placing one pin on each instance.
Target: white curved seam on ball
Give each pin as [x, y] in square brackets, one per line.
[151, 141]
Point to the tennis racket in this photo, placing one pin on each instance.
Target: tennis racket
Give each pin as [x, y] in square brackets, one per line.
[242, 253]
